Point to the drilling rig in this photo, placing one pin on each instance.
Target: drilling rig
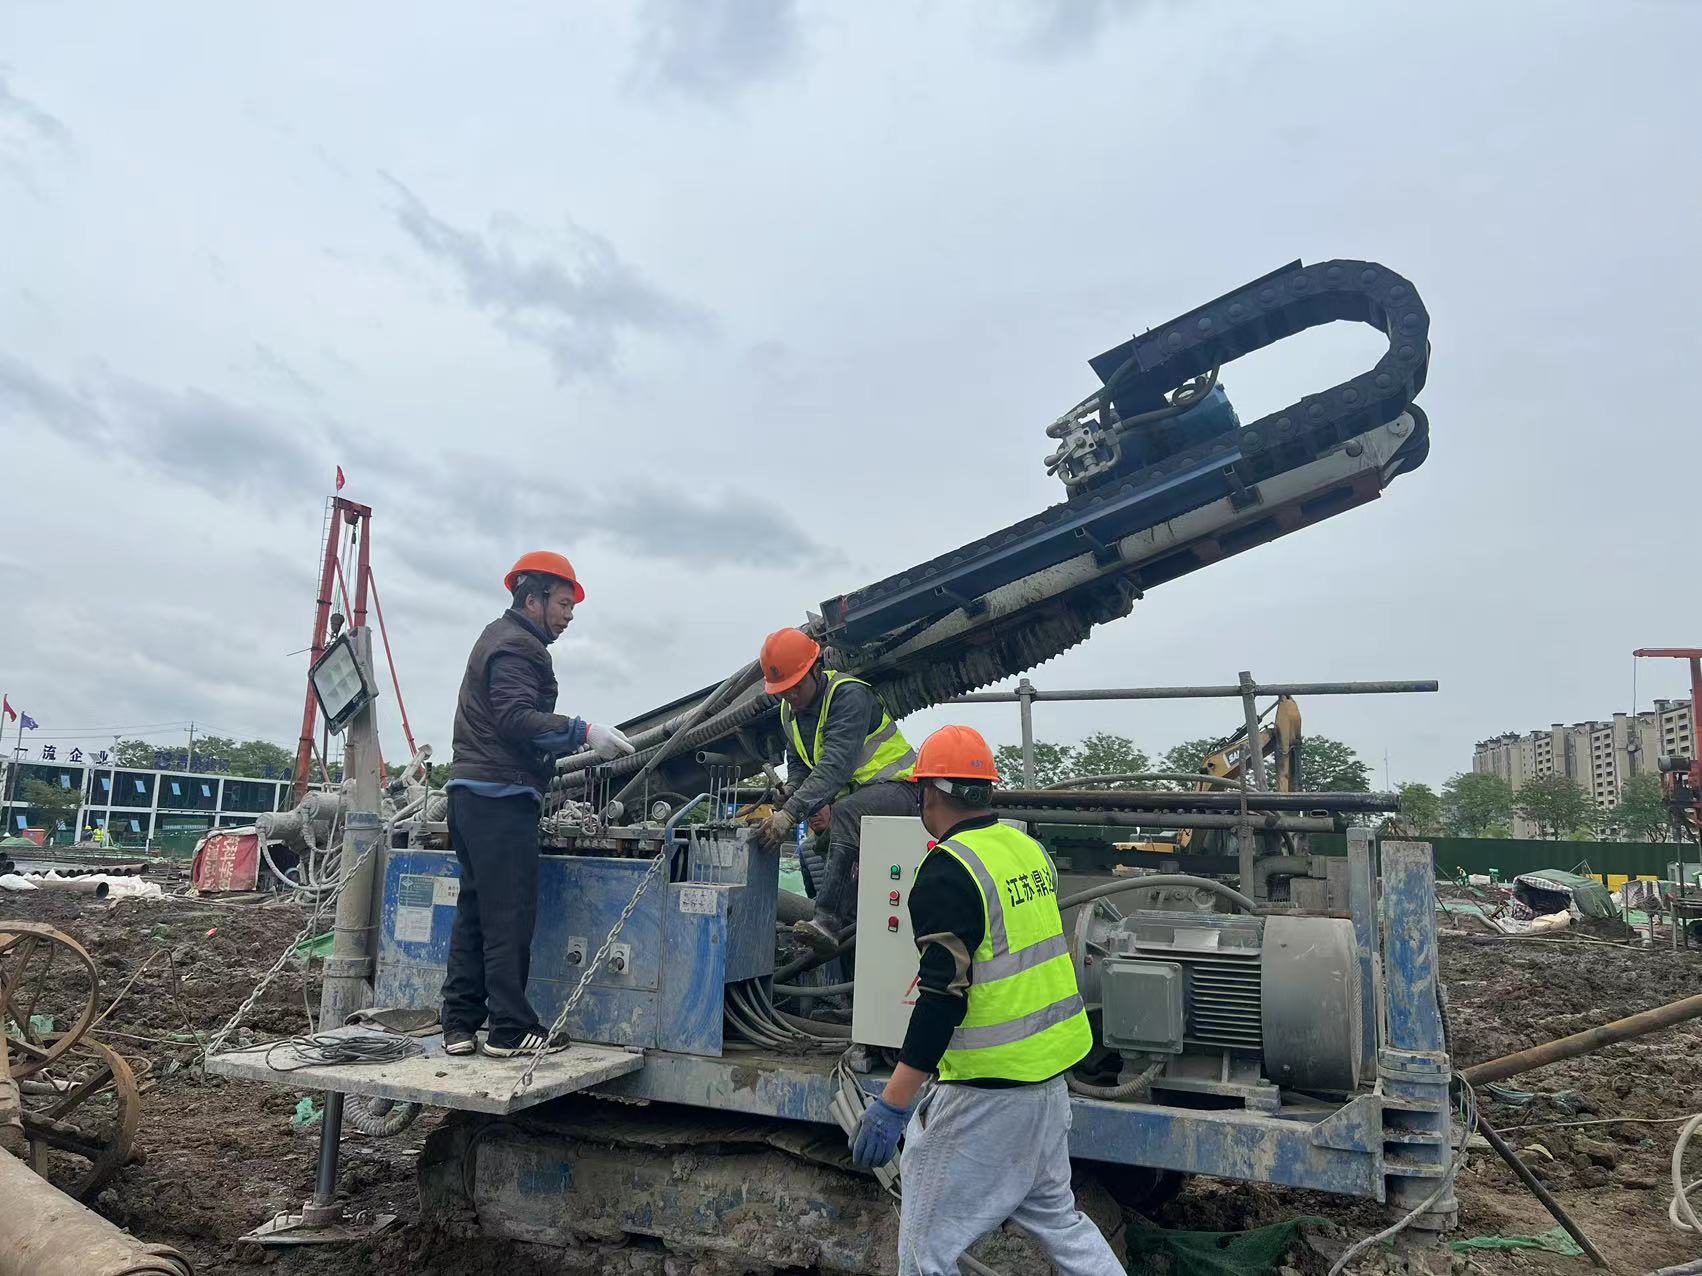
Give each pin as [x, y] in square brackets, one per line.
[1286, 1011]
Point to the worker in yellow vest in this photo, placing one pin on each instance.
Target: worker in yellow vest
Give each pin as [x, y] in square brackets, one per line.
[999, 1017]
[843, 749]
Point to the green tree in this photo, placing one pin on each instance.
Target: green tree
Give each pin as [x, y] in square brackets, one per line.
[49, 804]
[1052, 762]
[1555, 805]
[1641, 814]
[261, 757]
[1104, 753]
[1329, 766]
[133, 753]
[1477, 804]
[1420, 814]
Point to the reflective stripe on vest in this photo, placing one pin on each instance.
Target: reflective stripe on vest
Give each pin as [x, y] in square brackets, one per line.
[886, 754]
[1025, 1021]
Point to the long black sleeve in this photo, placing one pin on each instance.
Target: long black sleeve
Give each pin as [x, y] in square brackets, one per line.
[514, 693]
[948, 917]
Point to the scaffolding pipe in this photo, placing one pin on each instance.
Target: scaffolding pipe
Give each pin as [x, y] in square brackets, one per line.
[1228, 691]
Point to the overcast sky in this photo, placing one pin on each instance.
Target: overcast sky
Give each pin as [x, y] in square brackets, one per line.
[747, 303]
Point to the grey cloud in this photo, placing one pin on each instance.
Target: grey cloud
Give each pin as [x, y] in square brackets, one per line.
[1062, 28]
[31, 117]
[189, 435]
[578, 311]
[497, 511]
[711, 49]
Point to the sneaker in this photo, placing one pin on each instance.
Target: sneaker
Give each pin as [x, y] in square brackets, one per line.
[526, 1045]
[818, 935]
[460, 1043]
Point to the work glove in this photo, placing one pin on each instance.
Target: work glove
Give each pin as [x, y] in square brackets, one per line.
[876, 1137]
[776, 829]
[607, 743]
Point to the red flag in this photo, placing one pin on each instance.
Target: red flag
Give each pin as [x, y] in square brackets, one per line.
[11, 713]
[339, 478]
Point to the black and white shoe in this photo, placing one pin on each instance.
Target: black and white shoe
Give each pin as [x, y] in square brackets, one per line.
[527, 1044]
[460, 1044]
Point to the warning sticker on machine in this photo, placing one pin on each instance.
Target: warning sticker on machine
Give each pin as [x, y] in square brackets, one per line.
[698, 899]
[414, 890]
[413, 926]
[445, 890]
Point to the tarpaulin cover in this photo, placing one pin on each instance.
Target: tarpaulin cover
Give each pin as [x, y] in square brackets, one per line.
[1588, 896]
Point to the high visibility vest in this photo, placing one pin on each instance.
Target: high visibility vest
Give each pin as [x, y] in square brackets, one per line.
[886, 754]
[1026, 1021]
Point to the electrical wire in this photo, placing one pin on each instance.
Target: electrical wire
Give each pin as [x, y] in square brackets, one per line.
[1680, 1213]
[321, 1048]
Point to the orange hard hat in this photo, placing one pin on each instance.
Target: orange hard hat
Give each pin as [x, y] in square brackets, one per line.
[787, 655]
[956, 753]
[544, 562]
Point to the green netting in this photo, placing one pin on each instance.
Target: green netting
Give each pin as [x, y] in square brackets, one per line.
[1218, 1253]
[1553, 1241]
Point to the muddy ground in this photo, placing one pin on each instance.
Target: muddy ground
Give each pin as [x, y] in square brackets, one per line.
[220, 1157]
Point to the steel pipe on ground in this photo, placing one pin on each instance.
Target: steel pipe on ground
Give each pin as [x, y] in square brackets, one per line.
[1674, 1012]
[43, 1232]
[75, 885]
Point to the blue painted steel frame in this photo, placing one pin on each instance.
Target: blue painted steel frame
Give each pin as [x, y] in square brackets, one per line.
[1390, 1144]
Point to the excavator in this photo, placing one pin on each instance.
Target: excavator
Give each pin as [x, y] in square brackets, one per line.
[1280, 743]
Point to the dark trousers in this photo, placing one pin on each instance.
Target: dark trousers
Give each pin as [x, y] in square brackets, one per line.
[490, 949]
[836, 888]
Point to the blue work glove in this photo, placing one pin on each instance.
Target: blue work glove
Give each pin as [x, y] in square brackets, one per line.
[877, 1134]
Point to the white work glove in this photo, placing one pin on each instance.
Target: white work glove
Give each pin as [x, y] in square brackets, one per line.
[607, 743]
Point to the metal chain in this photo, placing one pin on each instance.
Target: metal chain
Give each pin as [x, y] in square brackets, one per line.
[591, 968]
[305, 933]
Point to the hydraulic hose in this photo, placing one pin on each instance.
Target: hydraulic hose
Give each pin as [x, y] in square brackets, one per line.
[1157, 879]
[814, 990]
[1115, 1093]
[810, 961]
[380, 1118]
[841, 1031]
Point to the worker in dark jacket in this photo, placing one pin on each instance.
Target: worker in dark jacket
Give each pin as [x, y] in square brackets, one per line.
[843, 748]
[507, 737]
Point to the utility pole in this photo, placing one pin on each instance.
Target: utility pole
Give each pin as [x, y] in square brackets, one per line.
[191, 765]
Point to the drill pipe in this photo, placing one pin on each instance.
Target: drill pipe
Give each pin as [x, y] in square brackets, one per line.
[1262, 821]
[1170, 800]
[43, 1232]
[1510, 1065]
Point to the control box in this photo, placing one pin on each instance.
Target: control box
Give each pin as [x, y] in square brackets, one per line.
[892, 850]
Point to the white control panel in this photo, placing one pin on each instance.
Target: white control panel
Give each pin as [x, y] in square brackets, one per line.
[892, 851]
[893, 847]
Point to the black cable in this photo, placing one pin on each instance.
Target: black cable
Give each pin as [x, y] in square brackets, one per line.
[321, 1048]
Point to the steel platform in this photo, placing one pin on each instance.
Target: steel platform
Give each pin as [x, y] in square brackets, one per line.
[476, 1083]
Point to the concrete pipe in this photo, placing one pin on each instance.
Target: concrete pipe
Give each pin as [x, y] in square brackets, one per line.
[43, 1232]
[76, 885]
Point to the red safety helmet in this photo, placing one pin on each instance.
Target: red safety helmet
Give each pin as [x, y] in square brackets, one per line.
[544, 562]
[787, 655]
[956, 753]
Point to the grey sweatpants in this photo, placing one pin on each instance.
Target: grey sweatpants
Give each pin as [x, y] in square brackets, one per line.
[836, 891]
[972, 1159]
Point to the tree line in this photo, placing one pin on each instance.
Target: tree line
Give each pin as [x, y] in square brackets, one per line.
[1326, 765]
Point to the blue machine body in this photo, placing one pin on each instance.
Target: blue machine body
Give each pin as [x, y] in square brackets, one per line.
[691, 937]
[687, 939]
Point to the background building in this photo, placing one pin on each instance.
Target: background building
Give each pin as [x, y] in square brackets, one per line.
[165, 809]
[1598, 756]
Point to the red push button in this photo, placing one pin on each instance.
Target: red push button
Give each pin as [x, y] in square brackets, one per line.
[892, 923]
[892, 898]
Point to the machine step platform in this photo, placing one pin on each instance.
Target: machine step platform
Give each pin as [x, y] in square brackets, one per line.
[475, 1083]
